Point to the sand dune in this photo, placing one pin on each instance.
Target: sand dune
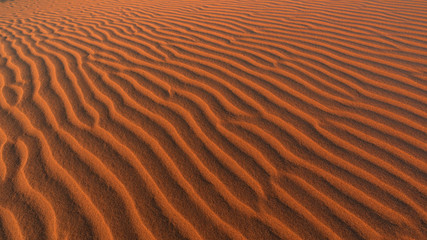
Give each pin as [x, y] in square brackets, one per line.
[290, 119]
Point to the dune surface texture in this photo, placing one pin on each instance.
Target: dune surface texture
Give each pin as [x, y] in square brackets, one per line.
[292, 119]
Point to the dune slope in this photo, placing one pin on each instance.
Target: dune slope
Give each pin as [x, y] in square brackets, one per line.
[226, 119]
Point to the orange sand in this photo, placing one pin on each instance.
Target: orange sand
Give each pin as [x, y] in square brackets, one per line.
[217, 119]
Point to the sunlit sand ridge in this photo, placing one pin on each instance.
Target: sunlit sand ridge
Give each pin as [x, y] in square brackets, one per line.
[290, 119]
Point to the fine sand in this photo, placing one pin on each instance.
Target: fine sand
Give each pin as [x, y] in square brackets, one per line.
[216, 119]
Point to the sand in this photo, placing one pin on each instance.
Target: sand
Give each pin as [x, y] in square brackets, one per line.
[290, 119]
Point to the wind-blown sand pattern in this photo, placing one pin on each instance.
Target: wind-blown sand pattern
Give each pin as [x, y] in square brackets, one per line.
[290, 119]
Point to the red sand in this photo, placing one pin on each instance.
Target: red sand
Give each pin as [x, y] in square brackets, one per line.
[290, 119]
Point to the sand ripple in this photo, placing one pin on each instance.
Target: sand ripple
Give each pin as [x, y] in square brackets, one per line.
[213, 119]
